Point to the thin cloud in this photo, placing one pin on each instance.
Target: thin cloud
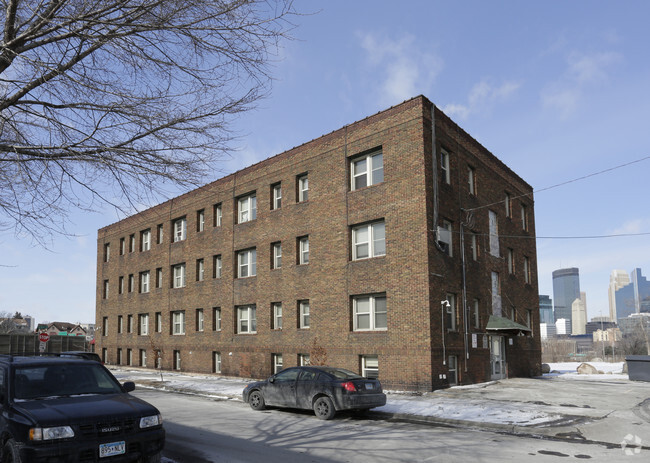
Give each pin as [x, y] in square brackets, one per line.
[482, 96]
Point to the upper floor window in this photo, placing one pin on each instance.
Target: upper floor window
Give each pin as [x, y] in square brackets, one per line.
[120, 285]
[158, 322]
[246, 263]
[247, 208]
[474, 245]
[144, 282]
[477, 319]
[369, 240]
[276, 255]
[496, 294]
[303, 314]
[494, 233]
[216, 319]
[303, 250]
[119, 324]
[367, 170]
[131, 283]
[159, 233]
[199, 320]
[107, 251]
[246, 319]
[508, 204]
[216, 266]
[527, 270]
[444, 167]
[369, 312]
[105, 292]
[450, 312]
[524, 217]
[132, 243]
[143, 325]
[200, 269]
[276, 321]
[178, 322]
[179, 227]
[471, 180]
[178, 275]
[303, 188]
[276, 196]
[145, 240]
[216, 215]
[129, 324]
[122, 246]
[200, 220]
[159, 277]
[447, 244]
[104, 326]
[511, 261]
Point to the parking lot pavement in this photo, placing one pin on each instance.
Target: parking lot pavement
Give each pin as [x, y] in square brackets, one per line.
[597, 408]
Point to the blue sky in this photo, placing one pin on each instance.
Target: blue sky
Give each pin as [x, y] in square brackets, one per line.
[556, 90]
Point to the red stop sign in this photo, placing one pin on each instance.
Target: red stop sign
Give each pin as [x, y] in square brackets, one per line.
[43, 337]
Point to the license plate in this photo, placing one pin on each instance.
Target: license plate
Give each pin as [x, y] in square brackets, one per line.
[370, 386]
[114, 448]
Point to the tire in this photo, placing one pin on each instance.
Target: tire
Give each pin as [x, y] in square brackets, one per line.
[10, 453]
[324, 408]
[157, 458]
[256, 400]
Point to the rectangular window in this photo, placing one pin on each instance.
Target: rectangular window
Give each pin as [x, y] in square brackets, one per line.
[119, 356]
[104, 326]
[450, 312]
[246, 263]
[144, 282]
[179, 229]
[199, 270]
[143, 358]
[177, 360]
[105, 290]
[159, 233]
[496, 294]
[303, 314]
[119, 324]
[369, 240]
[216, 362]
[105, 355]
[145, 240]
[471, 180]
[200, 220]
[129, 357]
[477, 318]
[216, 266]
[159, 277]
[120, 285]
[178, 276]
[370, 366]
[452, 377]
[158, 322]
[303, 360]
[246, 208]
[508, 204]
[474, 245]
[527, 272]
[107, 251]
[246, 319]
[303, 250]
[131, 283]
[303, 188]
[143, 324]
[129, 324]
[524, 217]
[444, 167]
[276, 196]
[447, 244]
[277, 363]
[370, 312]
[216, 215]
[216, 319]
[277, 315]
[511, 261]
[494, 233]
[131, 243]
[199, 320]
[122, 246]
[276, 255]
[178, 322]
[367, 170]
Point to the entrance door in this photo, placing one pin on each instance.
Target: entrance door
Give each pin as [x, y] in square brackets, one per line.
[498, 357]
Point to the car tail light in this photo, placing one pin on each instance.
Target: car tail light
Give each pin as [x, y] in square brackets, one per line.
[349, 386]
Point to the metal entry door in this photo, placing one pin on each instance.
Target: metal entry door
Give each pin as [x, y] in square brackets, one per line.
[498, 357]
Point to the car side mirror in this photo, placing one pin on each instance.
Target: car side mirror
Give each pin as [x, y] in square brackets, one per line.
[129, 386]
[271, 379]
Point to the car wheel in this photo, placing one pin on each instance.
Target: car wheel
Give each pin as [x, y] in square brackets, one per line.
[10, 453]
[256, 400]
[324, 408]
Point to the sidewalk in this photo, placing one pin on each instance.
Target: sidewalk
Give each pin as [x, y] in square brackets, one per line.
[606, 408]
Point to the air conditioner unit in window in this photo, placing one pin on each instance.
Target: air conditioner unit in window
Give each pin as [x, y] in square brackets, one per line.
[444, 236]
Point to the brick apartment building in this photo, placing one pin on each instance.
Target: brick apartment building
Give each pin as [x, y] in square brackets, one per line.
[396, 246]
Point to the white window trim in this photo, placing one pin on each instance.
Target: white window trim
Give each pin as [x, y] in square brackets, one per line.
[277, 363]
[217, 362]
[217, 215]
[370, 168]
[451, 312]
[247, 313]
[247, 263]
[277, 196]
[146, 240]
[371, 230]
[200, 270]
[216, 313]
[144, 324]
[179, 276]
[200, 220]
[247, 208]
[277, 316]
[303, 188]
[200, 320]
[303, 250]
[144, 282]
[217, 263]
[178, 323]
[444, 166]
[366, 368]
[372, 312]
[180, 229]
[446, 224]
[277, 255]
[304, 314]
[471, 179]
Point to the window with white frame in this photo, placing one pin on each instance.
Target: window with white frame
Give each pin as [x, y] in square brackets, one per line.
[303, 314]
[177, 360]
[448, 247]
[477, 317]
[216, 215]
[511, 261]
[527, 272]
[122, 246]
[452, 377]
[216, 266]
[276, 196]
[471, 180]
[370, 312]
[143, 324]
[494, 233]
[367, 170]
[178, 322]
[144, 282]
[303, 188]
[276, 255]
[104, 326]
[277, 363]
[107, 252]
[160, 233]
[369, 240]
[303, 360]
[216, 362]
[444, 167]
[370, 366]
[200, 269]
[179, 229]
[216, 319]
[159, 277]
[178, 275]
[143, 358]
[246, 263]
[105, 291]
[247, 208]
[129, 324]
[158, 322]
[246, 319]
[303, 250]
[199, 320]
[200, 220]
[450, 312]
[119, 324]
[524, 217]
[277, 315]
[145, 240]
[474, 245]
[132, 243]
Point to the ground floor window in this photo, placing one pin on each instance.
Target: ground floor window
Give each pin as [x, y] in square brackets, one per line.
[216, 362]
[370, 366]
[177, 360]
[277, 363]
[453, 370]
[119, 356]
[143, 358]
[104, 355]
[129, 357]
[303, 359]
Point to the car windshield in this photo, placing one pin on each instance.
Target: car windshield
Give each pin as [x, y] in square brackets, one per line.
[340, 373]
[66, 379]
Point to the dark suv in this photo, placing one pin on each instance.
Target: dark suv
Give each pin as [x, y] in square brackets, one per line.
[58, 409]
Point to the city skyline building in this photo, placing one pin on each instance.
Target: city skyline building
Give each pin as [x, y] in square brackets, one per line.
[579, 315]
[546, 309]
[633, 298]
[617, 280]
[566, 289]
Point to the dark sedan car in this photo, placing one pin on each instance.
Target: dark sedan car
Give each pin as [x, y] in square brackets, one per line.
[325, 390]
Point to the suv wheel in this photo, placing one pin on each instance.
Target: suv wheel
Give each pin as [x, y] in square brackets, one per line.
[10, 453]
[324, 408]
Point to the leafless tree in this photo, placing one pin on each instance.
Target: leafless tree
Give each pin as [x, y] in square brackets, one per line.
[107, 101]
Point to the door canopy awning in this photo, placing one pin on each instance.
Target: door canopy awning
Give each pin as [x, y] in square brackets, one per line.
[505, 325]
